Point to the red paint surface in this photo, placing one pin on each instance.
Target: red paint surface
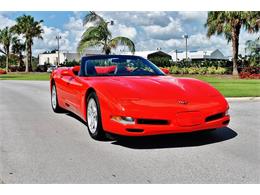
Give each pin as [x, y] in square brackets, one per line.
[145, 97]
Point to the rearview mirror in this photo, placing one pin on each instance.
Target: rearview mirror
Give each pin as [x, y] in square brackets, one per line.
[165, 70]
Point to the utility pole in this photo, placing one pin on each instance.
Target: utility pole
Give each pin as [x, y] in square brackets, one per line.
[176, 52]
[58, 40]
[186, 45]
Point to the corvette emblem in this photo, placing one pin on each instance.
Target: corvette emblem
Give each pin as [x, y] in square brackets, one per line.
[183, 102]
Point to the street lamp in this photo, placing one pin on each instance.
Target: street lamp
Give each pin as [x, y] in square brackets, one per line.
[58, 40]
[186, 44]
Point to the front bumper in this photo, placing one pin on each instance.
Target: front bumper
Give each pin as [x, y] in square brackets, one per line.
[171, 128]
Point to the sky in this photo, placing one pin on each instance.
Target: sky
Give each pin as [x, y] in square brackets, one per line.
[148, 30]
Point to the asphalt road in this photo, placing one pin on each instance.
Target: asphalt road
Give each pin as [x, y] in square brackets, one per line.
[39, 146]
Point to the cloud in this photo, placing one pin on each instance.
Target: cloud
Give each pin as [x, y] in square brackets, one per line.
[4, 21]
[123, 30]
[172, 30]
[149, 30]
[138, 18]
[192, 15]
[49, 41]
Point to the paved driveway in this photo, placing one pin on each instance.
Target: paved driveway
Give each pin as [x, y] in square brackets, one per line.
[38, 146]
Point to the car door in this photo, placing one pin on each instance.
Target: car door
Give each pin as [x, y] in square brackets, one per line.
[76, 90]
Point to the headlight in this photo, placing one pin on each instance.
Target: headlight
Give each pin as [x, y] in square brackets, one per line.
[227, 112]
[123, 119]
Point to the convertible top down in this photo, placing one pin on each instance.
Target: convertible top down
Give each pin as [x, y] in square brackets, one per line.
[129, 95]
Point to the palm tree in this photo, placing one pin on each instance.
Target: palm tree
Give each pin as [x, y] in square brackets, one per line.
[6, 39]
[253, 46]
[99, 35]
[30, 29]
[230, 23]
[17, 48]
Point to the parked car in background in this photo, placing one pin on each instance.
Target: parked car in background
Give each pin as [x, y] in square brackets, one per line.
[51, 68]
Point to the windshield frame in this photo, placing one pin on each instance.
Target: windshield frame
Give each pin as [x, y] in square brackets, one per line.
[84, 60]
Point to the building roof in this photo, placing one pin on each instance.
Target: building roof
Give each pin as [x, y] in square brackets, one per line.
[216, 55]
[144, 54]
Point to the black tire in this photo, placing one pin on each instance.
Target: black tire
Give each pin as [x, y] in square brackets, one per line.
[98, 132]
[56, 108]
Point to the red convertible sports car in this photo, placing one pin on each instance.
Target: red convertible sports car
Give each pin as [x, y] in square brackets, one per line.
[129, 95]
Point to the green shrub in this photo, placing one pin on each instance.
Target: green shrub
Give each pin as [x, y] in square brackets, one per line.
[202, 70]
[198, 70]
[193, 70]
[211, 70]
[221, 70]
[175, 70]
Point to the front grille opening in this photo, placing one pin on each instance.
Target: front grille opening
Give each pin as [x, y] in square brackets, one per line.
[133, 130]
[215, 117]
[152, 122]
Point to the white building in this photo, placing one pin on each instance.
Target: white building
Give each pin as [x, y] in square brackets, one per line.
[52, 58]
[198, 55]
[145, 54]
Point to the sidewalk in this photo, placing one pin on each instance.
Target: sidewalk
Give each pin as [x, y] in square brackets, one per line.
[243, 98]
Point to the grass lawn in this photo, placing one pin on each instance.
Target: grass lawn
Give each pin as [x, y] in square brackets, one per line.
[26, 76]
[231, 87]
[227, 85]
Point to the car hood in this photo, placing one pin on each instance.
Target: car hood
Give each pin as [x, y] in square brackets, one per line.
[161, 88]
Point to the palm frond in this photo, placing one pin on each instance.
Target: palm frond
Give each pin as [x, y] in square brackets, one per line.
[84, 44]
[113, 43]
[92, 17]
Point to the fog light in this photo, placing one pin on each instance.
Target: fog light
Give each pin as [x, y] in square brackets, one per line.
[123, 119]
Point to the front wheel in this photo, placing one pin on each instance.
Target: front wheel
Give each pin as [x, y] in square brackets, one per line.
[54, 100]
[94, 117]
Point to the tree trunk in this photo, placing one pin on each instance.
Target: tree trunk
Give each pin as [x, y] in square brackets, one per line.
[26, 59]
[30, 57]
[6, 61]
[20, 59]
[235, 44]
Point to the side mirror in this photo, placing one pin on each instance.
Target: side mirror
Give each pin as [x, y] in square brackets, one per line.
[165, 70]
[66, 73]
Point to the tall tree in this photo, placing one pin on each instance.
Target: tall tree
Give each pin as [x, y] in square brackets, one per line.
[230, 23]
[100, 35]
[6, 39]
[253, 46]
[18, 48]
[30, 29]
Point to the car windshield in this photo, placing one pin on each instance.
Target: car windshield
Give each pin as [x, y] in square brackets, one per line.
[116, 65]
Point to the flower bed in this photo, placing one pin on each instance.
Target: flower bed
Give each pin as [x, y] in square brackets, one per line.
[197, 70]
[251, 72]
[2, 71]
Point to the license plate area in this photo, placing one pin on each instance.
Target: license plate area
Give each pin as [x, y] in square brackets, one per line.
[187, 119]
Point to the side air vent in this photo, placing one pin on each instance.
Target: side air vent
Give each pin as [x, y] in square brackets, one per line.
[133, 130]
[214, 117]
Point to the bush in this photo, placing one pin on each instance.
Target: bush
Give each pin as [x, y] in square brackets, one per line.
[71, 63]
[174, 70]
[250, 72]
[198, 70]
[193, 70]
[202, 70]
[2, 71]
[41, 68]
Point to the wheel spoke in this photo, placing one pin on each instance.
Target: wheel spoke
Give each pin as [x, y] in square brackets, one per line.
[92, 115]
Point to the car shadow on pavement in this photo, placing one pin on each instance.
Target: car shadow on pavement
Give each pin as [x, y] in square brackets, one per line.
[177, 140]
[169, 141]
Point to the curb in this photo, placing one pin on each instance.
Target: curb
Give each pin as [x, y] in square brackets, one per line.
[243, 98]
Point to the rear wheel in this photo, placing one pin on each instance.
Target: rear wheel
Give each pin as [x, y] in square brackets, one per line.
[94, 117]
[54, 100]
